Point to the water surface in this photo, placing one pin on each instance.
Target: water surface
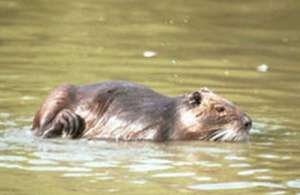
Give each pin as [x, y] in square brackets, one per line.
[173, 47]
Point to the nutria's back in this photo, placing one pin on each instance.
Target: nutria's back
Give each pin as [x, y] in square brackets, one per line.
[125, 111]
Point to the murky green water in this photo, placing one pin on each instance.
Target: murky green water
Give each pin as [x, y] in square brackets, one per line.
[218, 44]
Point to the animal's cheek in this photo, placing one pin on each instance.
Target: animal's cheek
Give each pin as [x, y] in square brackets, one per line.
[222, 114]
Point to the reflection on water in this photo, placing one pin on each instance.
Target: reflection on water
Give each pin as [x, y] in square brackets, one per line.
[234, 185]
[183, 166]
[246, 51]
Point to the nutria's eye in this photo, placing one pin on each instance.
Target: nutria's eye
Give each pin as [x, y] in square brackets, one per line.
[196, 98]
[220, 109]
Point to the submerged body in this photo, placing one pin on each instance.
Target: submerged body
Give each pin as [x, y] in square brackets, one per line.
[120, 110]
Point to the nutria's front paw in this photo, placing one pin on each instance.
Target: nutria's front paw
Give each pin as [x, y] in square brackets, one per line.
[73, 124]
[66, 124]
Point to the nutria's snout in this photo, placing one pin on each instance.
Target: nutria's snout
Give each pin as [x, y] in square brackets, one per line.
[247, 122]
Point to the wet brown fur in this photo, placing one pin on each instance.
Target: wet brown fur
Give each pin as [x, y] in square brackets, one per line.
[120, 110]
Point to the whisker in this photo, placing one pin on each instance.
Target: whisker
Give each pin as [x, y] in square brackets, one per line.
[219, 134]
[226, 135]
[212, 134]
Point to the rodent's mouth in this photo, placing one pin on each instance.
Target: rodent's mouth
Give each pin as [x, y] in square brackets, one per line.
[227, 135]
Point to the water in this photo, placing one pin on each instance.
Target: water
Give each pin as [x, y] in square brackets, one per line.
[246, 51]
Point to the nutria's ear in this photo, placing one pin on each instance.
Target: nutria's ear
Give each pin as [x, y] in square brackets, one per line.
[195, 98]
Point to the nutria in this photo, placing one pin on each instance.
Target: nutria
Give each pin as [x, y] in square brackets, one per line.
[120, 110]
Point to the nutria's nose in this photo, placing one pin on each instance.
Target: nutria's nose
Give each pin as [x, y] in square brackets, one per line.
[247, 122]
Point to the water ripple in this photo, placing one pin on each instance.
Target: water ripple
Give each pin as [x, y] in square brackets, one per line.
[253, 171]
[174, 174]
[12, 158]
[233, 185]
[294, 183]
[147, 167]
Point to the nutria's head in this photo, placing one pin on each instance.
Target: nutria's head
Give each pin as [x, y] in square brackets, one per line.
[205, 115]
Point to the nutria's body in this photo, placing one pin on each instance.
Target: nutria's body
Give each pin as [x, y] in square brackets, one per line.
[119, 110]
